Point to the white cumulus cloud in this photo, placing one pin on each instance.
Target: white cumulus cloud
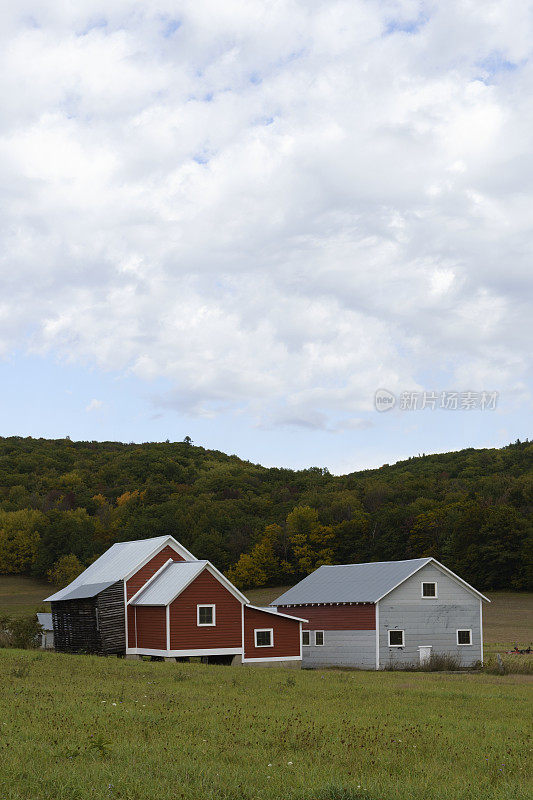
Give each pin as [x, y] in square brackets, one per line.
[276, 207]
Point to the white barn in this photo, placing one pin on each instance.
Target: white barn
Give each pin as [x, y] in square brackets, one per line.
[386, 614]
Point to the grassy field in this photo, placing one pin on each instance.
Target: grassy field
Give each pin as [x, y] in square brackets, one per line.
[19, 595]
[77, 727]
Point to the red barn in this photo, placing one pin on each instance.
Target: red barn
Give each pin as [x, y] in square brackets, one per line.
[152, 597]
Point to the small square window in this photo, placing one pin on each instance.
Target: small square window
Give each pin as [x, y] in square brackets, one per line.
[395, 638]
[319, 638]
[306, 638]
[429, 590]
[205, 615]
[464, 637]
[263, 638]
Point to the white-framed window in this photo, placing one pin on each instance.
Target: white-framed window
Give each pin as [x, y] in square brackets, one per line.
[319, 638]
[306, 638]
[428, 589]
[464, 636]
[205, 615]
[264, 637]
[395, 638]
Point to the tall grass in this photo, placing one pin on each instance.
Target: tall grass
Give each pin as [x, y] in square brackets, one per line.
[511, 664]
[437, 662]
[88, 728]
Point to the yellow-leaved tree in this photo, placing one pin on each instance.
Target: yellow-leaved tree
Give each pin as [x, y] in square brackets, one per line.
[265, 564]
[312, 542]
[65, 570]
[19, 539]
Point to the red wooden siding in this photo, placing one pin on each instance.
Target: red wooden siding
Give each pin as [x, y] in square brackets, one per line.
[151, 627]
[149, 569]
[139, 579]
[185, 634]
[357, 617]
[286, 635]
[131, 625]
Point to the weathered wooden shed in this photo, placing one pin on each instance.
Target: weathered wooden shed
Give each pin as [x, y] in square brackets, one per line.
[391, 613]
[90, 619]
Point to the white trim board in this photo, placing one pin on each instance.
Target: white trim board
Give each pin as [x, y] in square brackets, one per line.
[213, 651]
[272, 658]
[377, 635]
[228, 584]
[276, 613]
[481, 628]
[125, 614]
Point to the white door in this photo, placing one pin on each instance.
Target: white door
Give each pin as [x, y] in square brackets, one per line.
[425, 653]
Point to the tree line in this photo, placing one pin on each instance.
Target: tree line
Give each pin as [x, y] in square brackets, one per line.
[62, 503]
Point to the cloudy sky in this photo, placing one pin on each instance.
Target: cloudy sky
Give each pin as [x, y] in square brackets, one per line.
[239, 220]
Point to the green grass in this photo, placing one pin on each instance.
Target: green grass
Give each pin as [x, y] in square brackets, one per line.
[80, 727]
[262, 597]
[20, 595]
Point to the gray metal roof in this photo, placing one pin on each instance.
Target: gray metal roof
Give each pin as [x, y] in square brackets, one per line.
[46, 621]
[86, 591]
[350, 583]
[170, 582]
[114, 565]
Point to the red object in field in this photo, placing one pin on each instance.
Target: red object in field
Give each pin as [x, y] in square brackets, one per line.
[285, 632]
[354, 617]
[186, 634]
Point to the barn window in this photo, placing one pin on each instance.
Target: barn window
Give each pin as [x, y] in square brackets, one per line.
[306, 638]
[319, 638]
[429, 590]
[205, 615]
[264, 637]
[395, 638]
[464, 637]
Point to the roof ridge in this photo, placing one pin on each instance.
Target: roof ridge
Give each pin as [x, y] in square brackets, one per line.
[151, 539]
[367, 563]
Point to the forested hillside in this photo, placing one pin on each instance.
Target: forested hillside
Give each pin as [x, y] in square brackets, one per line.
[62, 503]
